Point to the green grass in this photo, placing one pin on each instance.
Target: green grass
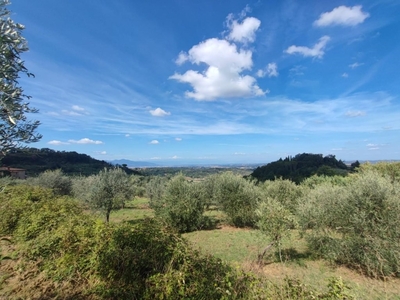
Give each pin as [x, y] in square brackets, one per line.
[134, 210]
[241, 247]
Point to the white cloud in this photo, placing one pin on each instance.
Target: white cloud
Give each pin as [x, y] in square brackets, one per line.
[244, 32]
[353, 114]
[342, 15]
[77, 108]
[345, 75]
[57, 143]
[178, 139]
[103, 152]
[127, 135]
[222, 77]
[372, 145]
[181, 58]
[158, 112]
[355, 65]
[271, 71]
[154, 142]
[239, 153]
[70, 113]
[155, 158]
[174, 157]
[85, 141]
[316, 51]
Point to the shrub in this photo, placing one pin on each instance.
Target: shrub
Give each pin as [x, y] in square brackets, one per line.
[238, 198]
[274, 221]
[182, 206]
[17, 201]
[286, 192]
[55, 180]
[356, 224]
[155, 190]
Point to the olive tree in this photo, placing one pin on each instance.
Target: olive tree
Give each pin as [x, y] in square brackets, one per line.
[15, 129]
[110, 189]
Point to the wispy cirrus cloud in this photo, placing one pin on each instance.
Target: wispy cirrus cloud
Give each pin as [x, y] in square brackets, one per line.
[355, 65]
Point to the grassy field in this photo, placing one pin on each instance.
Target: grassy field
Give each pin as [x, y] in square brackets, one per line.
[241, 247]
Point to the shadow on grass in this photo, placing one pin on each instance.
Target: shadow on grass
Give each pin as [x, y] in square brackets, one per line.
[292, 255]
[286, 255]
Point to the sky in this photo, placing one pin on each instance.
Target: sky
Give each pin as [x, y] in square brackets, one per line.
[178, 82]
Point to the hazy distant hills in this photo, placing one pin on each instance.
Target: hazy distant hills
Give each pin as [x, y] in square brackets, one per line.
[133, 164]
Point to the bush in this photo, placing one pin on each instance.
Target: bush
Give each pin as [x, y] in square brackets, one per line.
[238, 198]
[17, 201]
[55, 180]
[155, 190]
[274, 221]
[182, 206]
[286, 192]
[358, 224]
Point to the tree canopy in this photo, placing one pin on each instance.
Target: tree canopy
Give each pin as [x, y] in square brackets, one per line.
[300, 167]
[15, 128]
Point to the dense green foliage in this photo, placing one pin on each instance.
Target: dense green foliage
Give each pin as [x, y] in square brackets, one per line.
[15, 129]
[109, 190]
[55, 180]
[356, 224]
[103, 261]
[37, 161]
[300, 167]
[238, 198]
[181, 205]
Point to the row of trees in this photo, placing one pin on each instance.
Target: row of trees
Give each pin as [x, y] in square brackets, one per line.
[349, 220]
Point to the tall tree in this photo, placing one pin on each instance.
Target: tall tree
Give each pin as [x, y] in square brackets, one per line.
[15, 129]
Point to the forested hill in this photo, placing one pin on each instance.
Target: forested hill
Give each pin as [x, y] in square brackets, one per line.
[36, 161]
[300, 167]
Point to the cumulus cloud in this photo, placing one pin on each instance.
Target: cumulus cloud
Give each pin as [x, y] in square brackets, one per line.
[154, 142]
[271, 71]
[342, 15]
[224, 63]
[316, 51]
[355, 65]
[57, 143]
[158, 112]
[174, 157]
[182, 57]
[85, 141]
[223, 76]
[244, 32]
[178, 139]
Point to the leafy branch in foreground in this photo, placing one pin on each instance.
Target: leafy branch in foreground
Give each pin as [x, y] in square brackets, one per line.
[15, 129]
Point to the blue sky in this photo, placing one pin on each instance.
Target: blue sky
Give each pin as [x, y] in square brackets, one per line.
[177, 81]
